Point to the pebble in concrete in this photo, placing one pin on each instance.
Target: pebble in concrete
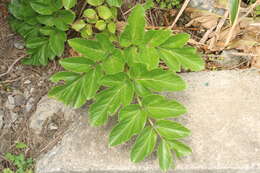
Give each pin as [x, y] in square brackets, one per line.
[224, 117]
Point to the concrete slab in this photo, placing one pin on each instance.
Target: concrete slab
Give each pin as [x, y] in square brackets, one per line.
[224, 117]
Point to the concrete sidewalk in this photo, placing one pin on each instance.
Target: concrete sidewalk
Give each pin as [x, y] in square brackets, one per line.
[224, 117]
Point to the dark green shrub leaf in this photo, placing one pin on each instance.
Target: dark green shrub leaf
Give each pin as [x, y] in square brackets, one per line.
[69, 3]
[46, 7]
[57, 40]
[144, 145]
[21, 9]
[171, 130]
[165, 155]
[132, 120]
[159, 107]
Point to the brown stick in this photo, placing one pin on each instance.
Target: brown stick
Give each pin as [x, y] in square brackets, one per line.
[185, 4]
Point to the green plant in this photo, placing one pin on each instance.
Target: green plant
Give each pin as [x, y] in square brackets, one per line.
[22, 164]
[43, 25]
[126, 78]
[169, 3]
[100, 15]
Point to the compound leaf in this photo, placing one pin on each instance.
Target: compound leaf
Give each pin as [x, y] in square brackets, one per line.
[132, 120]
[171, 130]
[144, 145]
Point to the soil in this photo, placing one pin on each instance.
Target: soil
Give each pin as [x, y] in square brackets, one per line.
[21, 88]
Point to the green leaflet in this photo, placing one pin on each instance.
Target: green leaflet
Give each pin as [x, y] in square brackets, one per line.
[57, 40]
[65, 76]
[89, 48]
[176, 41]
[186, 57]
[171, 130]
[144, 145]
[165, 155]
[158, 107]
[79, 90]
[160, 80]
[108, 101]
[154, 38]
[180, 148]
[77, 64]
[134, 31]
[132, 120]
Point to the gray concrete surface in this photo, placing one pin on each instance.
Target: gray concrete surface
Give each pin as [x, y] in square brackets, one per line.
[224, 116]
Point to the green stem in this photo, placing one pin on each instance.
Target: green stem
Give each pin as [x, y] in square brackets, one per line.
[149, 119]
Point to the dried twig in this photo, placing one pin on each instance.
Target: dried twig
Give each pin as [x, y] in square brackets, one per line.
[11, 67]
[185, 4]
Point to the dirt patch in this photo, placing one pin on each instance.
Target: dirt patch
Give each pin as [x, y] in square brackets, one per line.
[21, 88]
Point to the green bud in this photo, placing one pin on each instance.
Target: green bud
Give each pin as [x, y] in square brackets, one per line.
[87, 31]
[101, 25]
[90, 14]
[104, 12]
[111, 27]
[78, 25]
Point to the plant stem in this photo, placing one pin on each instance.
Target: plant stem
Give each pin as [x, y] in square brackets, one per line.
[149, 119]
